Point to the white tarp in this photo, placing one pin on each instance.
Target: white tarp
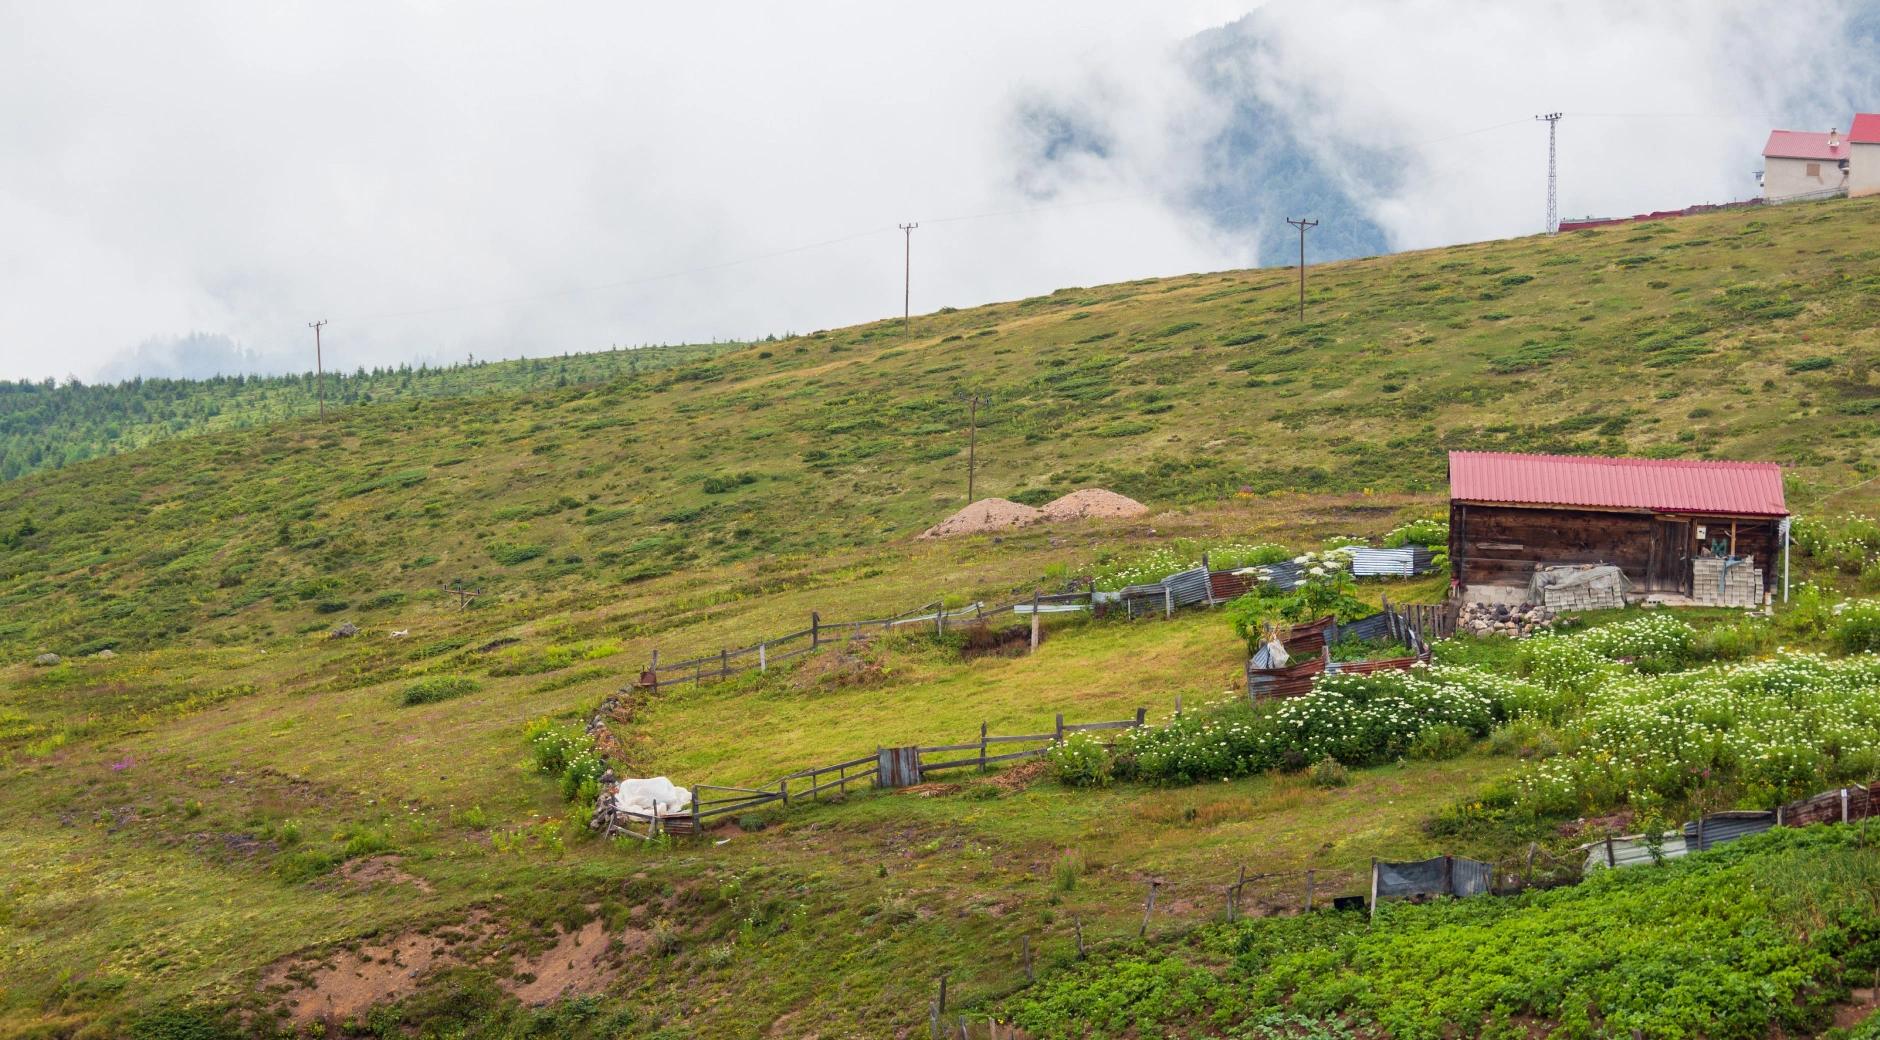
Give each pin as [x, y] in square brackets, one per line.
[640, 796]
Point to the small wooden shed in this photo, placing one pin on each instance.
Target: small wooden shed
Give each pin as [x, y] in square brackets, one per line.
[1652, 518]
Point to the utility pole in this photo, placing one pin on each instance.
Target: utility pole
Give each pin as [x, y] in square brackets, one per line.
[907, 271]
[318, 378]
[1303, 225]
[973, 401]
[1552, 119]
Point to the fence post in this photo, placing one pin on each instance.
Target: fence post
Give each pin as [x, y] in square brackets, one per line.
[1141, 713]
[1077, 923]
[982, 747]
[724, 663]
[1034, 622]
[940, 617]
[1148, 908]
[763, 657]
[942, 1004]
[1309, 880]
[652, 669]
[1611, 862]
[1168, 602]
[1178, 705]
[1025, 950]
[1060, 727]
[1373, 889]
[783, 788]
[815, 626]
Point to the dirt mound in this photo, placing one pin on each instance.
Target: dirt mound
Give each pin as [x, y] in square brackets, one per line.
[985, 515]
[1090, 502]
[381, 870]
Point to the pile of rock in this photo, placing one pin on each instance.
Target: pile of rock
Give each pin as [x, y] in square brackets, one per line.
[1500, 619]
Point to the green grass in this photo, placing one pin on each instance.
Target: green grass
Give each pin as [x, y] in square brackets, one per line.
[180, 815]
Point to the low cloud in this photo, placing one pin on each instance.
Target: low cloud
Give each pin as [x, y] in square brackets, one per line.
[472, 179]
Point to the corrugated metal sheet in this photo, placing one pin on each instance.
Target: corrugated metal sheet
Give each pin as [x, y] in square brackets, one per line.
[1189, 587]
[1727, 827]
[1439, 876]
[1366, 562]
[1663, 485]
[1634, 851]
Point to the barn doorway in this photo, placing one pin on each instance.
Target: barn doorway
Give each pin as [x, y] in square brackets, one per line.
[1669, 569]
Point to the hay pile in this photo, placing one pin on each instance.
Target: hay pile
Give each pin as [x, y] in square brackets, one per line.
[1080, 505]
[983, 516]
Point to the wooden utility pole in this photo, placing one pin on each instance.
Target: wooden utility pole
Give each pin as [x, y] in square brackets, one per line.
[973, 401]
[464, 596]
[1302, 224]
[907, 271]
[319, 378]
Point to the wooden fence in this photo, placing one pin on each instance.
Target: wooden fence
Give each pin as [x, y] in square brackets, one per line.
[1309, 648]
[887, 768]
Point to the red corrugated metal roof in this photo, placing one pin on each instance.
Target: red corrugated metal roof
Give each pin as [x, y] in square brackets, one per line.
[1866, 128]
[1660, 485]
[1804, 144]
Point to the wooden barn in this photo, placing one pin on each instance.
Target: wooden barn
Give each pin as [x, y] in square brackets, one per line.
[1707, 531]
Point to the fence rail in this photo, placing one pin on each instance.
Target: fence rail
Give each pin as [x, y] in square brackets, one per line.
[887, 767]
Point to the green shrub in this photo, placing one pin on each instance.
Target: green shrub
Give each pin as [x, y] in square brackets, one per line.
[1080, 761]
[1439, 743]
[1065, 871]
[1329, 772]
[1857, 627]
[183, 1023]
[434, 688]
[509, 554]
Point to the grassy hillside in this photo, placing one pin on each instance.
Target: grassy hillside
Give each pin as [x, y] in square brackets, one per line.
[48, 424]
[1739, 335]
[232, 806]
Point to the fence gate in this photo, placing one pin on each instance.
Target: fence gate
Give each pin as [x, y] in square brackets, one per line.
[899, 766]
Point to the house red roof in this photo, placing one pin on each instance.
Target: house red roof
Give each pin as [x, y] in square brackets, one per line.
[1804, 144]
[1866, 129]
[1659, 485]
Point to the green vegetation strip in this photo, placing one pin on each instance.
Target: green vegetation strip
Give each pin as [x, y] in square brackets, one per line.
[1764, 935]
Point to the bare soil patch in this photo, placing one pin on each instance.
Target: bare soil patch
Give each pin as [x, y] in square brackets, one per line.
[345, 984]
[581, 962]
[381, 870]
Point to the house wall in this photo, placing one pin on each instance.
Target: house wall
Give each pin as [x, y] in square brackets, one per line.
[1500, 545]
[1864, 170]
[1785, 177]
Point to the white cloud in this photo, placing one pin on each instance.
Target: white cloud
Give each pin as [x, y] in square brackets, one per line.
[514, 175]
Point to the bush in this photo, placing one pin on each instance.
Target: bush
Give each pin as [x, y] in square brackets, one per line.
[1440, 743]
[1328, 772]
[434, 688]
[1067, 869]
[509, 554]
[1857, 627]
[1080, 761]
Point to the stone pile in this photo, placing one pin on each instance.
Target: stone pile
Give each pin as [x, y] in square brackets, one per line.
[1500, 619]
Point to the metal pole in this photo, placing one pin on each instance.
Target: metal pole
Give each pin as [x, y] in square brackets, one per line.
[1552, 119]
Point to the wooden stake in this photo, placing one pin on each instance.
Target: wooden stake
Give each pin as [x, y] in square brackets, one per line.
[1034, 622]
[1147, 909]
[1078, 924]
[1309, 881]
[1025, 951]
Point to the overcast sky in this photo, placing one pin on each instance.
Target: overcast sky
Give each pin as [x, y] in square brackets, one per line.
[441, 179]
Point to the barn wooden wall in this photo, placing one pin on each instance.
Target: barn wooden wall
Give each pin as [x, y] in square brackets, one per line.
[1499, 545]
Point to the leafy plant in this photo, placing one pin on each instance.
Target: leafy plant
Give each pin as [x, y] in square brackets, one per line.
[434, 688]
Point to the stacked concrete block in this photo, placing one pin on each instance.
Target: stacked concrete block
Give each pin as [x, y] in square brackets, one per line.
[1711, 586]
[1583, 597]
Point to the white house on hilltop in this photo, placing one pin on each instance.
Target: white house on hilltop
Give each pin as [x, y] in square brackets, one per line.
[1805, 162]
